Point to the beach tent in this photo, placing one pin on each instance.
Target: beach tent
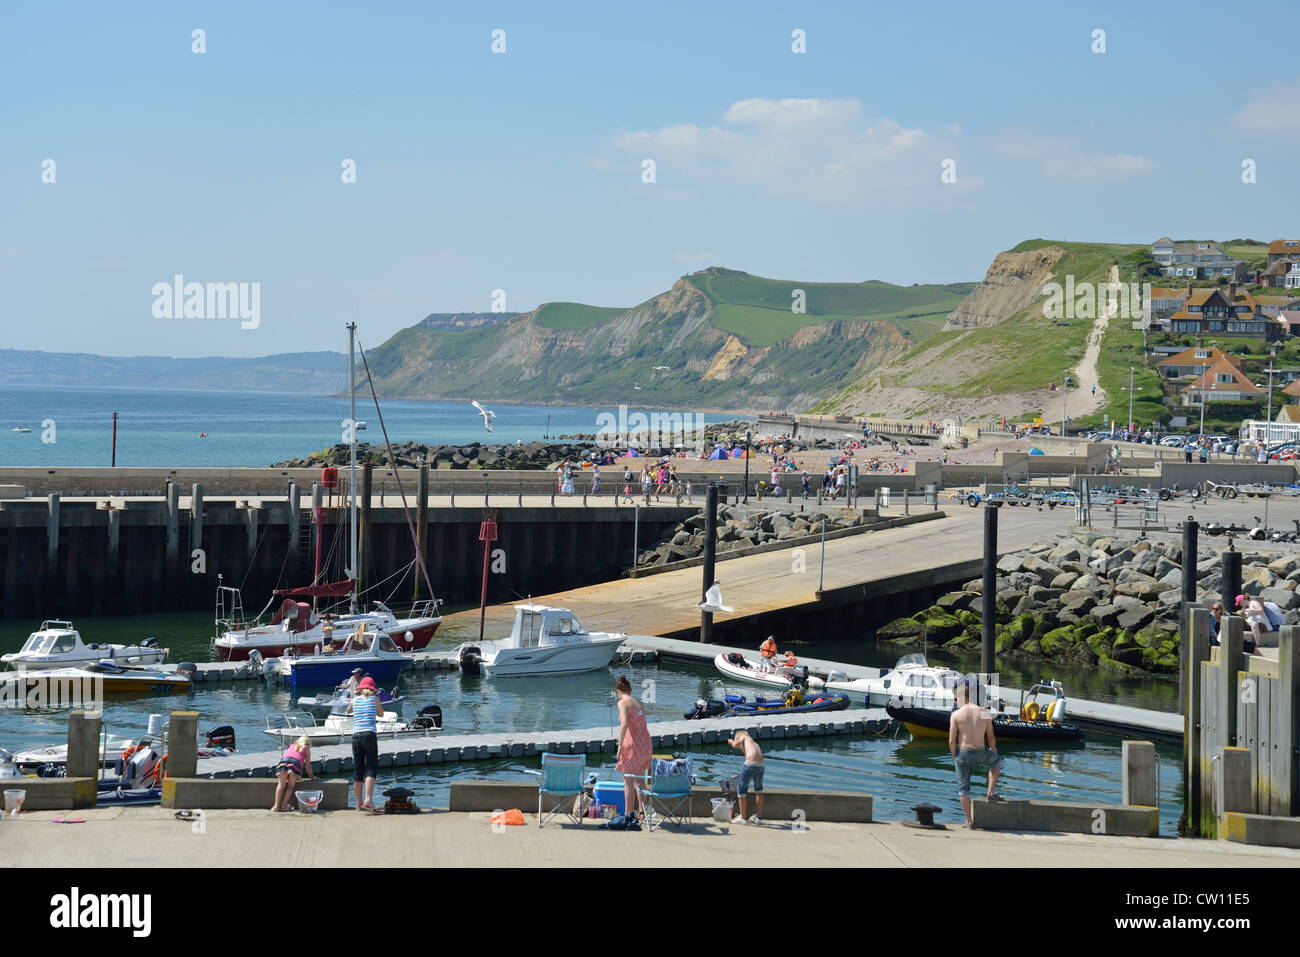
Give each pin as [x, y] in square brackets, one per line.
[718, 453]
[633, 454]
[737, 453]
[1036, 452]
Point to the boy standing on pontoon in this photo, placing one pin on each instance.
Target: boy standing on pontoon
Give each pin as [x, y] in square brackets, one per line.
[969, 728]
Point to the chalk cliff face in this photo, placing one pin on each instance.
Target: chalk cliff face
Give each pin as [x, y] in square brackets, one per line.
[614, 359]
[1013, 281]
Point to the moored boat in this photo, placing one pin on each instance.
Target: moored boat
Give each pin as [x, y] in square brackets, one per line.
[933, 723]
[912, 679]
[287, 726]
[543, 641]
[73, 685]
[58, 644]
[793, 702]
[737, 666]
[374, 654]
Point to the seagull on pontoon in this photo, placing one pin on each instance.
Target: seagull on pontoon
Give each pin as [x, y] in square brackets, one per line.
[487, 414]
[713, 600]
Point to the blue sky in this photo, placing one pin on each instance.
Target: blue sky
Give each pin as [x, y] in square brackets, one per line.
[522, 171]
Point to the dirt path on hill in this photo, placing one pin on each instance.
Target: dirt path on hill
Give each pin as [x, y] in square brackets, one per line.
[1085, 374]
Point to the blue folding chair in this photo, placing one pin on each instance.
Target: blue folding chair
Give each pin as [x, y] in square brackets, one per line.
[666, 792]
[563, 777]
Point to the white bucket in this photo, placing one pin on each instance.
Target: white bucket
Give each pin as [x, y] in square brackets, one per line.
[722, 810]
[14, 798]
[308, 801]
[155, 725]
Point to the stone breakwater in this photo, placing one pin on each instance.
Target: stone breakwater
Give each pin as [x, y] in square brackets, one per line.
[739, 528]
[473, 455]
[1090, 600]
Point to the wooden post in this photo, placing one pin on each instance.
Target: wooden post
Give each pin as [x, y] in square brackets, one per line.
[196, 518]
[52, 535]
[988, 601]
[710, 553]
[363, 546]
[1286, 774]
[294, 517]
[1195, 650]
[250, 518]
[83, 744]
[1232, 791]
[1231, 655]
[421, 521]
[173, 524]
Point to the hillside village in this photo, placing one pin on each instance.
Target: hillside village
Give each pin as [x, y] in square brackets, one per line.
[1225, 332]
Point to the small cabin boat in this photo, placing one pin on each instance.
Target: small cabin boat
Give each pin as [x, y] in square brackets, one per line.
[373, 652]
[544, 641]
[288, 726]
[58, 644]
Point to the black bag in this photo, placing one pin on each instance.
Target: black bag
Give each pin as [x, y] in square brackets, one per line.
[623, 822]
[728, 786]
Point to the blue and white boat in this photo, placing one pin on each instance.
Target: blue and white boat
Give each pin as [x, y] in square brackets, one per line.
[375, 654]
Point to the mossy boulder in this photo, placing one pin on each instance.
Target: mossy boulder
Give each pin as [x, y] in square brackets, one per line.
[1119, 667]
[1057, 641]
[963, 643]
[942, 628]
[1086, 628]
[1098, 643]
[1006, 642]
[900, 629]
[1030, 649]
[970, 619]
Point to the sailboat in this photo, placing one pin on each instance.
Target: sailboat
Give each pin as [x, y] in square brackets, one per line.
[295, 628]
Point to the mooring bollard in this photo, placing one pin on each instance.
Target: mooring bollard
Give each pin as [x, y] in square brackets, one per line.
[521, 494]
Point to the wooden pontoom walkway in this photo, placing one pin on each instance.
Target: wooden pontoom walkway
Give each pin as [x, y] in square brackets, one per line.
[447, 748]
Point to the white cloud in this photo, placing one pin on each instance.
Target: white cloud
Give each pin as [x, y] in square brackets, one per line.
[810, 148]
[1065, 158]
[1274, 110]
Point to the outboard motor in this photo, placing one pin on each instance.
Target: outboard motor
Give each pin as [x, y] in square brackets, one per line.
[149, 643]
[222, 737]
[470, 660]
[188, 668]
[706, 708]
[429, 718]
[52, 771]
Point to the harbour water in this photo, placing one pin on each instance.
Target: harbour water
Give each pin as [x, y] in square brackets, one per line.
[896, 770]
[161, 428]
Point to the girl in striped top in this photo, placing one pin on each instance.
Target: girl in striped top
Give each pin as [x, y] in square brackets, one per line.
[365, 709]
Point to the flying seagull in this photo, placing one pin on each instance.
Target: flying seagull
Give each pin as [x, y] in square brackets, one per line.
[662, 369]
[713, 600]
[488, 415]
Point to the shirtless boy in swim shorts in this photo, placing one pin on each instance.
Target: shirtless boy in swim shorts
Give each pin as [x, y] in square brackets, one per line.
[969, 728]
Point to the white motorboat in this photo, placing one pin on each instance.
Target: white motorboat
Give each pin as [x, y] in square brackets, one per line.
[544, 641]
[912, 682]
[737, 666]
[288, 726]
[20, 428]
[58, 644]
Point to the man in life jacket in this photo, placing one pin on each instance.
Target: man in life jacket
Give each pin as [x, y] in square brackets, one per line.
[767, 655]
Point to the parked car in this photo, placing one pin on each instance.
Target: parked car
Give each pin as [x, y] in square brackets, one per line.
[1174, 441]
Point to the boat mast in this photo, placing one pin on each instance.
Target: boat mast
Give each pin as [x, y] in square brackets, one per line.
[352, 415]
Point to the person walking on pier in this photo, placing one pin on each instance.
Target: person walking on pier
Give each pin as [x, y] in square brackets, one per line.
[595, 480]
[634, 745]
[365, 710]
[970, 727]
[751, 773]
[295, 764]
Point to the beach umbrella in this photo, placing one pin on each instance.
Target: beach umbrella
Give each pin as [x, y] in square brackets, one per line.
[1036, 452]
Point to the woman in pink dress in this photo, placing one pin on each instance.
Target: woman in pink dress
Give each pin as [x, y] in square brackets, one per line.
[633, 743]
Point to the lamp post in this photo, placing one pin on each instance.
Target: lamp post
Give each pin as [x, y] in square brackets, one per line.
[1065, 388]
[1131, 390]
[1271, 372]
[747, 438]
